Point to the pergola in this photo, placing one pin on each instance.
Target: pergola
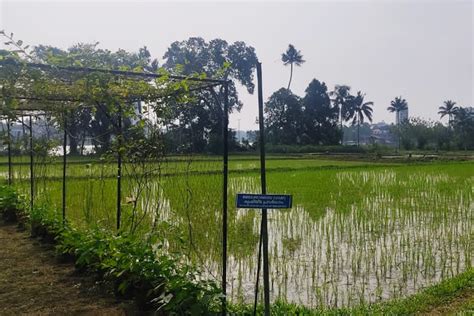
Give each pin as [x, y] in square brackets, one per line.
[38, 89]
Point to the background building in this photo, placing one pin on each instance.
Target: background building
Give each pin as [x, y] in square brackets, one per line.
[402, 116]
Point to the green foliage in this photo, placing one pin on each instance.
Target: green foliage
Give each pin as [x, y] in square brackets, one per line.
[283, 118]
[45, 222]
[291, 120]
[450, 109]
[104, 97]
[397, 105]
[463, 125]
[142, 269]
[139, 267]
[195, 125]
[417, 133]
[319, 117]
[358, 111]
[10, 203]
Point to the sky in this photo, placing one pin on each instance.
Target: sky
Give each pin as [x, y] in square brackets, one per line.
[420, 50]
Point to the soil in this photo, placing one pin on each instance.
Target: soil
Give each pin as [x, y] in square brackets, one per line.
[34, 282]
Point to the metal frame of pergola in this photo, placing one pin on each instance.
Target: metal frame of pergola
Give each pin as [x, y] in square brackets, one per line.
[32, 105]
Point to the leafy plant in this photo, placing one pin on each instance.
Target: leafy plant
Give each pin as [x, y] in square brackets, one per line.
[10, 203]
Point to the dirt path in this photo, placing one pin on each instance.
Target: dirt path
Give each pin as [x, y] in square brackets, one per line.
[32, 281]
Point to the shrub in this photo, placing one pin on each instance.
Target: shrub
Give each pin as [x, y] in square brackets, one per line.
[10, 203]
[141, 269]
[138, 267]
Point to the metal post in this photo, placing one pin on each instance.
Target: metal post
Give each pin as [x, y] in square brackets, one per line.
[32, 179]
[225, 135]
[119, 168]
[9, 149]
[264, 224]
[259, 264]
[64, 168]
[23, 135]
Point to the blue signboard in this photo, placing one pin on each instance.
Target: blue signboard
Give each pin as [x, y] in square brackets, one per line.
[263, 201]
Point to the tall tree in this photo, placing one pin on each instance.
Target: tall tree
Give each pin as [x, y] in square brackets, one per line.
[217, 59]
[341, 96]
[319, 117]
[463, 124]
[397, 105]
[292, 57]
[450, 109]
[358, 110]
[283, 118]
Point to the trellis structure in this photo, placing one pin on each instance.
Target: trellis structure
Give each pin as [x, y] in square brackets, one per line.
[37, 89]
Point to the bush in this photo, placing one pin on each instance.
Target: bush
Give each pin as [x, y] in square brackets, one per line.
[10, 203]
[45, 223]
[138, 267]
[141, 269]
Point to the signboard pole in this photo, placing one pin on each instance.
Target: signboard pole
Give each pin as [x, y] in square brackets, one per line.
[225, 135]
[264, 224]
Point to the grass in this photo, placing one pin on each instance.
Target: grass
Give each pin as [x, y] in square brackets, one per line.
[359, 233]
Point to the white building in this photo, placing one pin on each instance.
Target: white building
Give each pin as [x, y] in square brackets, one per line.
[402, 116]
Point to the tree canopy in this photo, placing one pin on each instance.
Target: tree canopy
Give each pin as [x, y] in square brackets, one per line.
[201, 120]
[293, 120]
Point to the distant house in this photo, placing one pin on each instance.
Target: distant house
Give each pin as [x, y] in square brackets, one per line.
[381, 134]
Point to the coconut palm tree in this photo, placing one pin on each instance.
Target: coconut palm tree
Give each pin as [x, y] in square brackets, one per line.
[290, 57]
[397, 105]
[449, 108]
[358, 110]
[341, 95]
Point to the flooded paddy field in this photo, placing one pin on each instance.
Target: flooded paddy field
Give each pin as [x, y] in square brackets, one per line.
[357, 232]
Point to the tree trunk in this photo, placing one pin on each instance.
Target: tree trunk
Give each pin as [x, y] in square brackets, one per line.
[73, 144]
[291, 76]
[83, 141]
[398, 128]
[358, 126]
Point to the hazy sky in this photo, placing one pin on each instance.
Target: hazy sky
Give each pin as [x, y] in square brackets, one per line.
[422, 50]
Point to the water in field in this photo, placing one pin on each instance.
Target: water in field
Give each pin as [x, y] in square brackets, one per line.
[354, 234]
